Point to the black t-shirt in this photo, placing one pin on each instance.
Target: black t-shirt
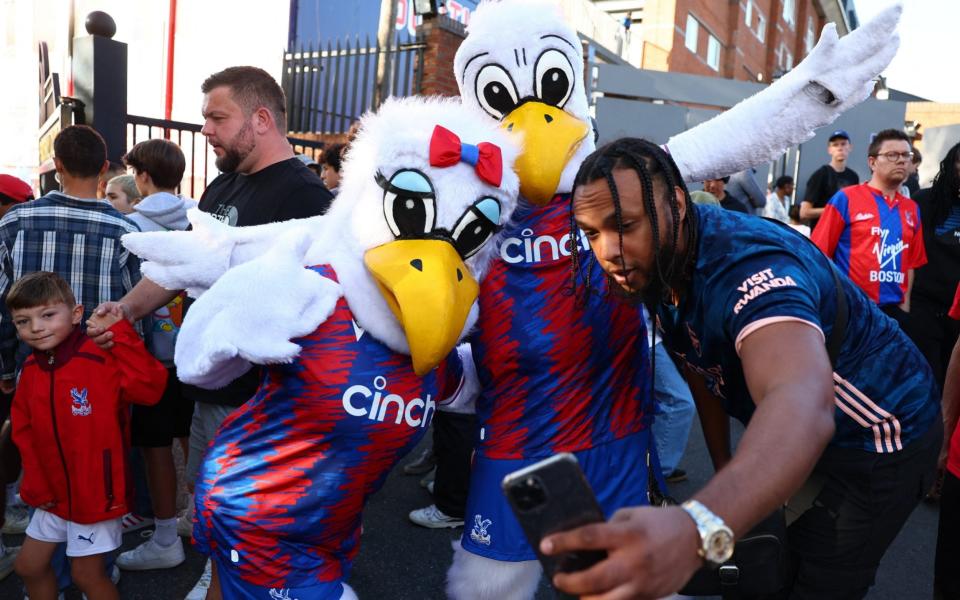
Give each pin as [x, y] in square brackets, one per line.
[824, 183]
[283, 191]
[936, 282]
[731, 202]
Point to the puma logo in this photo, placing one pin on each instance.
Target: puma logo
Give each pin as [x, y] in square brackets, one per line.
[86, 539]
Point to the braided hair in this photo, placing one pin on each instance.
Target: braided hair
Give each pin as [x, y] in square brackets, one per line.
[946, 186]
[653, 167]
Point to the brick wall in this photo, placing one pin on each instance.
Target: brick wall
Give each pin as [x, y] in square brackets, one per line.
[748, 50]
[442, 36]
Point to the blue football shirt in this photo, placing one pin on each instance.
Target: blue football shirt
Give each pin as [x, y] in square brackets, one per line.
[751, 273]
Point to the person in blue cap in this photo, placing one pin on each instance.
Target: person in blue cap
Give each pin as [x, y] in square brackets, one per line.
[828, 179]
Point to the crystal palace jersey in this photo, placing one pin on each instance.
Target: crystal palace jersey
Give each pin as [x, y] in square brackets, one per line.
[283, 485]
[751, 273]
[873, 240]
[556, 375]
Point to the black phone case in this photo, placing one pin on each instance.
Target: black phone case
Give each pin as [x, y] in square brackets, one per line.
[564, 501]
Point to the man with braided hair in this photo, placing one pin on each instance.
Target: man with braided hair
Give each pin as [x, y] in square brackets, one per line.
[750, 308]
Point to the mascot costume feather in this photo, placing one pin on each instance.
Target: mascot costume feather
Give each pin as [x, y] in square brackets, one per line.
[561, 375]
[352, 312]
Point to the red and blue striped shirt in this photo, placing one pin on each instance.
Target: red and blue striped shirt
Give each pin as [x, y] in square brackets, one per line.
[875, 240]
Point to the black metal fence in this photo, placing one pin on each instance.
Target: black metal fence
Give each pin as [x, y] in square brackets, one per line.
[328, 88]
[200, 168]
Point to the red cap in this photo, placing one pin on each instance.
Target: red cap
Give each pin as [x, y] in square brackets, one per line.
[15, 189]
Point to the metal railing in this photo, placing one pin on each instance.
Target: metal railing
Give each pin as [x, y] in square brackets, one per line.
[200, 159]
[328, 88]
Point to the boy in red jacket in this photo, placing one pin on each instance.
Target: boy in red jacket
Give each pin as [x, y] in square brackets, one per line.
[70, 420]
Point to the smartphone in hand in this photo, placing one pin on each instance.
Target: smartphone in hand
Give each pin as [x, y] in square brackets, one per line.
[551, 496]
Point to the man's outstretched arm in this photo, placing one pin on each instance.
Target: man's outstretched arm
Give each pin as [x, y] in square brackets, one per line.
[652, 552]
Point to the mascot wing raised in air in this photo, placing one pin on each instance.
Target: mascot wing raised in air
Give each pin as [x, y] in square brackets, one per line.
[523, 64]
[358, 313]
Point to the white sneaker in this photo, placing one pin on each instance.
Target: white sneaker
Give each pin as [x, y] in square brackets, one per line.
[151, 555]
[199, 591]
[7, 559]
[434, 518]
[16, 519]
[133, 522]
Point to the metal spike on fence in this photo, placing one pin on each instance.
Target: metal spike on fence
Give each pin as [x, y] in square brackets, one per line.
[326, 91]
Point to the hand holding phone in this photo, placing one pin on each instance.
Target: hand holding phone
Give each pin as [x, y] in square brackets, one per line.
[551, 496]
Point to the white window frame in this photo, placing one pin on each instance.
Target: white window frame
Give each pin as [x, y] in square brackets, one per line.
[748, 14]
[713, 52]
[810, 37]
[784, 57]
[790, 12]
[761, 31]
[691, 36]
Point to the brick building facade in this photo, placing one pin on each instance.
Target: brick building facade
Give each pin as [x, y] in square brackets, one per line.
[752, 40]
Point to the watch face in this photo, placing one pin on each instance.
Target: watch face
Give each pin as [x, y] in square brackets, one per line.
[719, 546]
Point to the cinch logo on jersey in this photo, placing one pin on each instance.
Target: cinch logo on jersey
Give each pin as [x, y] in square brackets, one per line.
[760, 283]
[886, 257]
[531, 249]
[357, 402]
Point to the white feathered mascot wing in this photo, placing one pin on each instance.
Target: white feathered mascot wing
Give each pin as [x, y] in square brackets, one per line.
[522, 64]
[406, 236]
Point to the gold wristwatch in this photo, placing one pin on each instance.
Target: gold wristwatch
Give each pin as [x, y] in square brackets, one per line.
[716, 539]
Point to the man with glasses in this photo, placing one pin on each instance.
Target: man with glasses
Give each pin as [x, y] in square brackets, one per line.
[872, 232]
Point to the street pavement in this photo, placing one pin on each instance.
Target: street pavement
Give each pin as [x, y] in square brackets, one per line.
[400, 561]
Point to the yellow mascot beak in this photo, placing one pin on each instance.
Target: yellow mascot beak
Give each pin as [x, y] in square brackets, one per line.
[550, 139]
[429, 290]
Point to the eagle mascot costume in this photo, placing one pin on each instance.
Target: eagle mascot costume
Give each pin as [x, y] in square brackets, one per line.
[562, 373]
[355, 315]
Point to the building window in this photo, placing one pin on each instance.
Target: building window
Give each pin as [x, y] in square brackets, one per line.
[713, 53]
[754, 20]
[784, 58]
[790, 12]
[809, 38]
[690, 38]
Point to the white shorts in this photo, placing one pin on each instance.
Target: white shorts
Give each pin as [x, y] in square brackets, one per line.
[82, 540]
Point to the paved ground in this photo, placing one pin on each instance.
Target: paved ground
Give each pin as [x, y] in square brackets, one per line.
[399, 561]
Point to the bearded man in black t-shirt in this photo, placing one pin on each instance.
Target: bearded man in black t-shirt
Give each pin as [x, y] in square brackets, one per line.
[828, 179]
[261, 182]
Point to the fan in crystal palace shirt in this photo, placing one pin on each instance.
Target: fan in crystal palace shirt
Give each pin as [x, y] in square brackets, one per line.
[876, 240]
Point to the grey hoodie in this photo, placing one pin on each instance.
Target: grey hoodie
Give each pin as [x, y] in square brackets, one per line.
[163, 211]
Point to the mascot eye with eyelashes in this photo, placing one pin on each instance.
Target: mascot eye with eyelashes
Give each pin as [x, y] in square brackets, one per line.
[409, 203]
[553, 78]
[476, 226]
[495, 91]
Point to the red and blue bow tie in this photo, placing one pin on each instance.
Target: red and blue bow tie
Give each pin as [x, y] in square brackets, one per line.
[446, 150]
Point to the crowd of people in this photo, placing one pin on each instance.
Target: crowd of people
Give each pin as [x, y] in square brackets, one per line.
[840, 356]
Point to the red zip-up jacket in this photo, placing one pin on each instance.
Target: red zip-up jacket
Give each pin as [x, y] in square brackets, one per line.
[70, 419]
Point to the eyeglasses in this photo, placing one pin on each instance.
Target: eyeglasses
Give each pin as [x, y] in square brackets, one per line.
[895, 156]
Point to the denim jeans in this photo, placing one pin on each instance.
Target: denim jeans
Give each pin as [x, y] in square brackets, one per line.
[674, 411]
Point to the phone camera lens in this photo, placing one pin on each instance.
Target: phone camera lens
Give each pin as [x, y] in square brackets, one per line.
[529, 495]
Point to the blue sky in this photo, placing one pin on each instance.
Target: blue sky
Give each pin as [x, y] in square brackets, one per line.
[925, 65]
